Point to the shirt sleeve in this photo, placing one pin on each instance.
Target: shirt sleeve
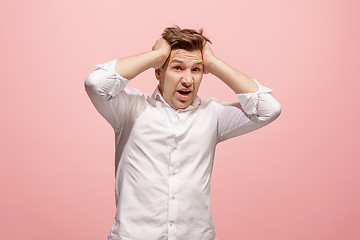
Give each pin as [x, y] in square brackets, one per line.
[253, 111]
[105, 88]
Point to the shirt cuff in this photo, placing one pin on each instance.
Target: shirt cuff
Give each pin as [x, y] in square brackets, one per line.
[249, 101]
[120, 82]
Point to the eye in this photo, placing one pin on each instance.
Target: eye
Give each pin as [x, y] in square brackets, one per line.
[178, 68]
[197, 69]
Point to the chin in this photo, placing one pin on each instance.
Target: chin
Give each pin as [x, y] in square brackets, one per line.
[182, 106]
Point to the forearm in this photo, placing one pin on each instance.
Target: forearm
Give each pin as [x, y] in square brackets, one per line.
[130, 67]
[237, 81]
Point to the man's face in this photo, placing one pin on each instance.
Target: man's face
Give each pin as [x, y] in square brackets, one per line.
[180, 78]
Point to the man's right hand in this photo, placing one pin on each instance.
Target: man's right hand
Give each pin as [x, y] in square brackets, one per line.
[130, 67]
[162, 47]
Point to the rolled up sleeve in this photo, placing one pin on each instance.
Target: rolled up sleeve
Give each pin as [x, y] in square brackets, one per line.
[104, 87]
[261, 105]
[253, 111]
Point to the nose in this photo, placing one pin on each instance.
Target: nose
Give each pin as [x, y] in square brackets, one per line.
[187, 79]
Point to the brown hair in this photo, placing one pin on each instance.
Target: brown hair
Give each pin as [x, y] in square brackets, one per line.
[187, 39]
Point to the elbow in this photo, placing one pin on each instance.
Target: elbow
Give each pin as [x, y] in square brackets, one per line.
[90, 82]
[275, 111]
[269, 111]
[94, 81]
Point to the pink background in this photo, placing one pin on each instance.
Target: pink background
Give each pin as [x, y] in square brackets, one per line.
[296, 179]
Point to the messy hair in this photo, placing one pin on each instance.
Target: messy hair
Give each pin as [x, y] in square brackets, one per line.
[187, 39]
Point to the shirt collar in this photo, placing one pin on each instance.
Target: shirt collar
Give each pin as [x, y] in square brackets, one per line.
[158, 97]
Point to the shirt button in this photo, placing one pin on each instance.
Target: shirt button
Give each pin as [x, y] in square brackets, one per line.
[175, 147]
[173, 172]
[170, 223]
[173, 196]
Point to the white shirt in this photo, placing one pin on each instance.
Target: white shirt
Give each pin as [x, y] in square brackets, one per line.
[164, 157]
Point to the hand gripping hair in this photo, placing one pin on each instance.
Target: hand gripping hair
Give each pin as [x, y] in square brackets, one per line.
[187, 39]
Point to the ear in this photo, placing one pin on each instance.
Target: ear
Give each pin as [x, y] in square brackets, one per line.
[157, 73]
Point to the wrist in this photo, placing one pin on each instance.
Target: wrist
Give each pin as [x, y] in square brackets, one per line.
[211, 65]
[159, 58]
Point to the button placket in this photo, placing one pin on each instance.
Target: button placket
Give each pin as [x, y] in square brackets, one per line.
[172, 211]
[173, 181]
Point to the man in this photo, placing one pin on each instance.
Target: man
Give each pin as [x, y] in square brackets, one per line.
[165, 143]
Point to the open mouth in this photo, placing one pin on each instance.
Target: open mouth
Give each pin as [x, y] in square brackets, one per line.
[184, 92]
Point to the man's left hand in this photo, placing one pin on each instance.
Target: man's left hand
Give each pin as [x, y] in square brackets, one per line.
[208, 58]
